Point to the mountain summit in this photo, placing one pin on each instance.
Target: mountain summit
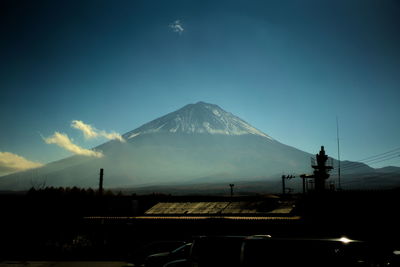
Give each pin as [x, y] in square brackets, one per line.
[198, 118]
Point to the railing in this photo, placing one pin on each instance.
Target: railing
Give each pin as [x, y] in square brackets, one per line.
[328, 163]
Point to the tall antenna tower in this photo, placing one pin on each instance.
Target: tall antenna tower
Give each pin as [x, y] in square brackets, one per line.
[338, 151]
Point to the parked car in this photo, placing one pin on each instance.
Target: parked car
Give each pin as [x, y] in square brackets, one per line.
[203, 251]
[155, 247]
[260, 251]
[159, 259]
[264, 250]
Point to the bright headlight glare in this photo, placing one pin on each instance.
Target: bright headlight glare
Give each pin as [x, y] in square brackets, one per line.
[344, 240]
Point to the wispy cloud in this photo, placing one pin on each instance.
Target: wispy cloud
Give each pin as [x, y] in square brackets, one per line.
[112, 135]
[88, 131]
[10, 162]
[62, 140]
[177, 26]
[91, 132]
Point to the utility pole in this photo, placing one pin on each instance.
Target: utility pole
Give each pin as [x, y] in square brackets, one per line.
[338, 151]
[305, 182]
[231, 185]
[101, 182]
[283, 185]
[284, 177]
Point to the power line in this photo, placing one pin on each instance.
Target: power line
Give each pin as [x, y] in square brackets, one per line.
[381, 157]
[371, 162]
[380, 154]
[365, 162]
[373, 159]
[377, 175]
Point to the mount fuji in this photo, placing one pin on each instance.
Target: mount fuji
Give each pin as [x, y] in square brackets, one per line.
[199, 143]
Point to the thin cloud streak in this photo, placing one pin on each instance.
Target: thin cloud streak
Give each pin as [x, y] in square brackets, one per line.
[10, 163]
[91, 132]
[62, 140]
[177, 26]
[112, 136]
[88, 131]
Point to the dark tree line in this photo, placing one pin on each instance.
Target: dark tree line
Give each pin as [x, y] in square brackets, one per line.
[72, 191]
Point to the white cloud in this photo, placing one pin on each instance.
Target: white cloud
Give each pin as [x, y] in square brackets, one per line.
[177, 26]
[112, 135]
[88, 131]
[62, 140]
[91, 132]
[10, 163]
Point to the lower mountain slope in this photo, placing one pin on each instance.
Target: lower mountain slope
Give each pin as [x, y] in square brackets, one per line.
[162, 158]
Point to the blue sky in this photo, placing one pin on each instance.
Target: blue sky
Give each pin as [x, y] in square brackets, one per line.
[286, 67]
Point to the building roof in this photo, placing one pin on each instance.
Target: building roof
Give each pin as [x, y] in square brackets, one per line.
[245, 209]
[248, 208]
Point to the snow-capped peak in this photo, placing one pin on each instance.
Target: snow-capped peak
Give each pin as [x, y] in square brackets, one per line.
[198, 118]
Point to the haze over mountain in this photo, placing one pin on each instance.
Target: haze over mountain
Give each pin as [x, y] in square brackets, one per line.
[199, 143]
